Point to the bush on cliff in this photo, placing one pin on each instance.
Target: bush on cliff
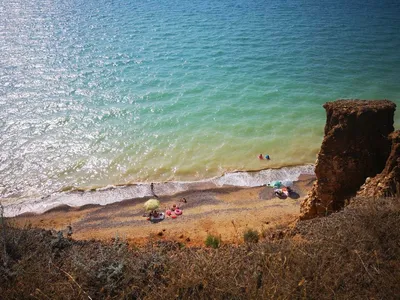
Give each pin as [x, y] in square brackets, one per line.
[251, 236]
[351, 254]
[213, 241]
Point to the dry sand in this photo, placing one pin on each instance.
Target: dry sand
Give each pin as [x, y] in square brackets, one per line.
[226, 211]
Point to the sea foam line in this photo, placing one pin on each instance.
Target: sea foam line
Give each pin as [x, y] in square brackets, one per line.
[112, 194]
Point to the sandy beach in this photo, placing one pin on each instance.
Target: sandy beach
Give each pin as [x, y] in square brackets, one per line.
[225, 211]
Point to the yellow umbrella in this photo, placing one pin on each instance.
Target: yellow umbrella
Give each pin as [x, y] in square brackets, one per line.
[152, 204]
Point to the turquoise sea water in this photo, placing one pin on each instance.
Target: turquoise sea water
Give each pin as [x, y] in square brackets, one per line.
[94, 93]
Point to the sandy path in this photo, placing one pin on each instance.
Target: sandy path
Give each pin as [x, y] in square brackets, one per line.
[226, 212]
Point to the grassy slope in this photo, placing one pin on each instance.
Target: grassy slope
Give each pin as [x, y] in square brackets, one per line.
[351, 254]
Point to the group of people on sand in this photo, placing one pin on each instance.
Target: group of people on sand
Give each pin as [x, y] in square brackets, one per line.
[283, 192]
[174, 211]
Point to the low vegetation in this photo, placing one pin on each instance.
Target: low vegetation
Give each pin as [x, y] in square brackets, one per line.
[351, 254]
[251, 236]
[213, 241]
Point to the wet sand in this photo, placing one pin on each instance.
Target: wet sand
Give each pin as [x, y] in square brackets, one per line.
[225, 211]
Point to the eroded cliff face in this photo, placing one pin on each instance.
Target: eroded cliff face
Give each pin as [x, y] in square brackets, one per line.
[356, 146]
[387, 183]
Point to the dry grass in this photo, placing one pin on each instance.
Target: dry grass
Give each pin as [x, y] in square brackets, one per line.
[354, 254]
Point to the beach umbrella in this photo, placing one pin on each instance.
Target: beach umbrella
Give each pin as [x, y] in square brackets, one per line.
[152, 204]
[275, 184]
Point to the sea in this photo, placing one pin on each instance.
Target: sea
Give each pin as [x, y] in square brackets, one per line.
[98, 99]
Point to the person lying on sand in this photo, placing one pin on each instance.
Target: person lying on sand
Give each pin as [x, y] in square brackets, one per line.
[153, 213]
[283, 192]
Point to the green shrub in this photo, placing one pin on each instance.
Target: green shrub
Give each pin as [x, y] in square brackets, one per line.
[251, 236]
[213, 241]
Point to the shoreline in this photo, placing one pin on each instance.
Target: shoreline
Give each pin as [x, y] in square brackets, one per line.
[117, 193]
[224, 211]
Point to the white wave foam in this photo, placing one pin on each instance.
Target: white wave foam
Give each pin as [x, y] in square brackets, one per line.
[252, 179]
[104, 196]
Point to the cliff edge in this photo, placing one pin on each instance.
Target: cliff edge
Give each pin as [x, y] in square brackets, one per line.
[386, 183]
[356, 146]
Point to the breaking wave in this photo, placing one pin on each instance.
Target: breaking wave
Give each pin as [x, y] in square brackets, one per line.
[112, 194]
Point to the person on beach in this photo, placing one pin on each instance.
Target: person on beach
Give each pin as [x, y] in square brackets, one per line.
[260, 156]
[152, 190]
[267, 157]
[279, 193]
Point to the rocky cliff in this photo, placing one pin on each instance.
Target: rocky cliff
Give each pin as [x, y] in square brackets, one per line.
[356, 146]
[387, 183]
